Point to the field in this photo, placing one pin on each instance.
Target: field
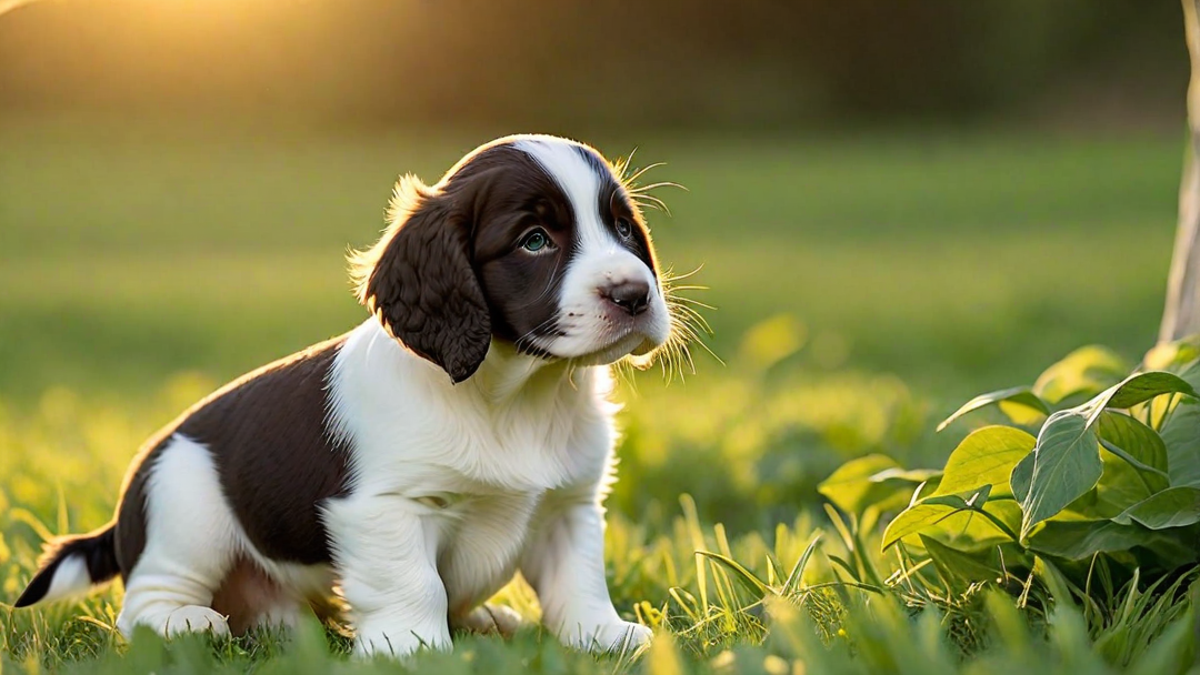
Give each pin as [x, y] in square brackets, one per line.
[864, 285]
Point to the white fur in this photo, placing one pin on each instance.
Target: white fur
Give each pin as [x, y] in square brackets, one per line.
[449, 482]
[595, 332]
[70, 579]
[452, 489]
[192, 540]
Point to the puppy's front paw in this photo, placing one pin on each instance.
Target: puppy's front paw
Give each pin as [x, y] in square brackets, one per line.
[624, 637]
[194, 619]
[621, 636]
[398, 642]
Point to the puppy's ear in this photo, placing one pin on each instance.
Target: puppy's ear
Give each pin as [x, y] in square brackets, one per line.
[419, 281]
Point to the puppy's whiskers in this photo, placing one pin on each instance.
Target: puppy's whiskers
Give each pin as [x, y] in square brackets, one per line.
[528, 339]
[688, 327]
[640, 194]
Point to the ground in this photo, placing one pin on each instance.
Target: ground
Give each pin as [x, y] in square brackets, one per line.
[864, 285]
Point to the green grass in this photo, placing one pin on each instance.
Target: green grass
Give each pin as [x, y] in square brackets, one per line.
[865, 286]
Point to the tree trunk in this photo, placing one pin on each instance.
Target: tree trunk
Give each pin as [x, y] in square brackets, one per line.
[1181, 317]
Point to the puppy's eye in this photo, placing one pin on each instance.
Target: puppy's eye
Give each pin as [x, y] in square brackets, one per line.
[624, 228]
[535, 241]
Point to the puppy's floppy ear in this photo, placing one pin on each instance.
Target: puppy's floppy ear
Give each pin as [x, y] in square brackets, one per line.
[419, 281]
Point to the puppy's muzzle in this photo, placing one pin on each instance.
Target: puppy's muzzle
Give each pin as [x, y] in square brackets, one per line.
[632, 297]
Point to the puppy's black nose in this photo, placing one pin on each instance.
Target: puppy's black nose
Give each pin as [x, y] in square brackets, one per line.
[631, 296]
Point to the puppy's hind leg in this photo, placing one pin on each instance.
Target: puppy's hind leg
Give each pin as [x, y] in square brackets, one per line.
[489, 619]
[192, 541]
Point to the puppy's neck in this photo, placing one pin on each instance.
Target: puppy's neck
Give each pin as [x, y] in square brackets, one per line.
[505, 376]
[507, 373]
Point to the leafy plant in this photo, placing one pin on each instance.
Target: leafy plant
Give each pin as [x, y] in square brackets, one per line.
[1095, 466]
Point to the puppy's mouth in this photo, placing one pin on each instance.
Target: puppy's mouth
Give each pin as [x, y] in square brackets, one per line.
[616, 350]
[635, 337]
[609, 339]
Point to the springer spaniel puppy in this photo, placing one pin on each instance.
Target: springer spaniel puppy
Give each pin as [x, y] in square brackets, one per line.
[461, 433]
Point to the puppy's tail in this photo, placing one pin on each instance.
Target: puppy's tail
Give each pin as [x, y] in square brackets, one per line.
[71, 565]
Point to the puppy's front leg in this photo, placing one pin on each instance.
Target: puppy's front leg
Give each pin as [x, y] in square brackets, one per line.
[564, 562]
[386, 555]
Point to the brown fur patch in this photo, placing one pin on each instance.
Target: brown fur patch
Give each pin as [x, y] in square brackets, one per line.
[275, 456]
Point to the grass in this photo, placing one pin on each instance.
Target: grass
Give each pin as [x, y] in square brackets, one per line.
[866, 285]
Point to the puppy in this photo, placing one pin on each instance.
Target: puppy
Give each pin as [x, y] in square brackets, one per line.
[461, 433]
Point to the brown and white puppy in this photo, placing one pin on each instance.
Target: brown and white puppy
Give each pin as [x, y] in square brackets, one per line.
[460, 434]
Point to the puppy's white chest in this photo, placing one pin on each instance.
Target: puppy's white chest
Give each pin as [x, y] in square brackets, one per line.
[480, 542]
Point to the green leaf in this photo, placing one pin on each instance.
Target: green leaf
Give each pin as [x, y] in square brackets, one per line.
[1122, 485]
[1135, 463]
[1156, 411]
[1144, 447]
[1145, 386]
[1174, 356]
[1021, 477]
[869, 481]
[1064, 465]
[1005, 510]
[1016, 396]
[985, 457]
[968, 530]
[909, 476]
[1173, 507]
[931, 511]
[1068, 462]
[1181, 434]
[1081, 539]
[954, 564]
[1131, 391]
[1022, 415]
[1085, 371]
[915, 519]
[1090, 506]
[1191, 371]
[850, 487]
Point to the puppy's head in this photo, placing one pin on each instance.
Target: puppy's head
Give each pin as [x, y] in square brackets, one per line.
[533, 240]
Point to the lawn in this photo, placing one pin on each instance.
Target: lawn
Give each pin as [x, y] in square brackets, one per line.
[864, 285]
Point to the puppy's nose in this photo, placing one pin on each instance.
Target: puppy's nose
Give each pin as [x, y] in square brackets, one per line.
[631, 296]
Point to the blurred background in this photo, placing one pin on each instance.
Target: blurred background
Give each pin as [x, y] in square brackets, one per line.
[894, 205]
